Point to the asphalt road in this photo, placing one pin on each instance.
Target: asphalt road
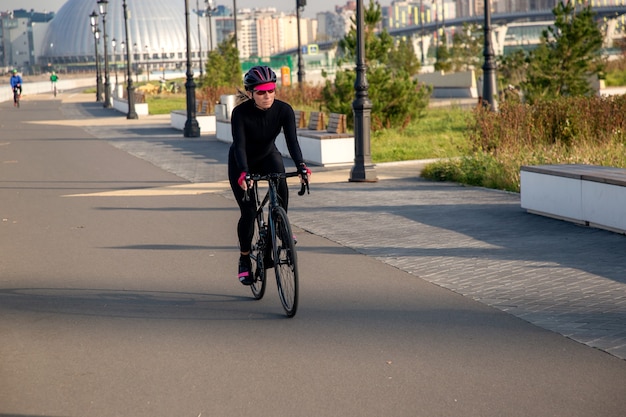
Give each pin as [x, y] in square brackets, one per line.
[118, 297]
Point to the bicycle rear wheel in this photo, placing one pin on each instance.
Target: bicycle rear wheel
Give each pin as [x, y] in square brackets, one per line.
[285, 262]
[256, 256]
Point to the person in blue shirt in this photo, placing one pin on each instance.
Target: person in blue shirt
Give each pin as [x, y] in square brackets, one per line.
[16, 82]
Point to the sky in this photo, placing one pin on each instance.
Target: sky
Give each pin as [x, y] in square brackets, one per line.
[312, 7]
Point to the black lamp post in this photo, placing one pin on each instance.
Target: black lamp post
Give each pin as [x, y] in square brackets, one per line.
[192, 128]
[363, 169]
[102, 4]
[123, 56]
[489, 67]
[148, 62]
[130, 89]
[300, 6]
[93, 19]
[210, 10]
[199, 38]
[421, 18]
[235, 22]
[114, 44]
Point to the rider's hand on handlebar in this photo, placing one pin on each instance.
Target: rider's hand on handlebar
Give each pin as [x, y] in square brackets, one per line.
[304, 170]
[244, 181]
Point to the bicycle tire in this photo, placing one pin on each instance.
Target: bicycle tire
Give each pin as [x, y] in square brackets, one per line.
[16, 99]
[256, 256]
[285, 261]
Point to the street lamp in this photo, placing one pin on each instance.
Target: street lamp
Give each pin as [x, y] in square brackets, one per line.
[130, 89]
[363, 169]
[114, 44]
[199, 38]
[163, 58]
[300, 6]
[123, 46]
[235, 21]
[192, 128]
[137, 57]
[421, 19]
[102, 4]
[93, 20]
[148, 62]
[489, 66]
[210, 10]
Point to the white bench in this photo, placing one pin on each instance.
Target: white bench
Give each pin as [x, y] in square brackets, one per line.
[585, 194]
[178, 119]
[319, 147]
[121, 105]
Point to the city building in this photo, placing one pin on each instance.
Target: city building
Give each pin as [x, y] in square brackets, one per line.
[35, 41]
[18, 37]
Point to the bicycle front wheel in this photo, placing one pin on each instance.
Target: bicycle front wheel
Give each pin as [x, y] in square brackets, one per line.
[285, 261]
[256, 256]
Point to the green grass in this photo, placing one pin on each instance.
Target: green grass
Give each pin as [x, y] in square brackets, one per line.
[164, 104]
[440, 134]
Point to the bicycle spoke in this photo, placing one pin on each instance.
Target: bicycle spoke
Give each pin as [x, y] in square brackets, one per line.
[256, 255]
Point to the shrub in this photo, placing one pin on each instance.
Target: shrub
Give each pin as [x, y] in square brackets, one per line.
[575, 130]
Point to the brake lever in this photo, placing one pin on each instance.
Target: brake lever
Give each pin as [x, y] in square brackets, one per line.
[304, 186]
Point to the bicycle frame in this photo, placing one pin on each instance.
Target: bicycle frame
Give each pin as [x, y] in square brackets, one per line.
[270, 200]
[272, 229]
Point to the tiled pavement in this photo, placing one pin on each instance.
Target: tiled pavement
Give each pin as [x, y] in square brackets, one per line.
[476, 242]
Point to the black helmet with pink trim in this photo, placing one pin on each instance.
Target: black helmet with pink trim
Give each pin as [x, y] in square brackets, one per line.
[260, 77]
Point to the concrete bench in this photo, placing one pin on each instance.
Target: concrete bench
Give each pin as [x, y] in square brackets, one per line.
[319, 147]
[327, 144]
[585, 194]
[316, 121]
[300, 118]
[121, 105]
[207, 123]
[202, 107]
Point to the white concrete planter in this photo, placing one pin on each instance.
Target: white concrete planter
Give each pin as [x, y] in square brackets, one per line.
[121, 105]
[590, 195]
[178, 118]
[318, 147]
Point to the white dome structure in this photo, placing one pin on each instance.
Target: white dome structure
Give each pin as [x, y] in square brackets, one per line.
[157, 31]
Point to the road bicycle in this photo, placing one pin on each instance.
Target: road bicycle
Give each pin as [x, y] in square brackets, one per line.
[273, 243]
[54, 88]
[16, 97]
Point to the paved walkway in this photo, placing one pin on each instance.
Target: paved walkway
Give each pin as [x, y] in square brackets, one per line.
[474, 241]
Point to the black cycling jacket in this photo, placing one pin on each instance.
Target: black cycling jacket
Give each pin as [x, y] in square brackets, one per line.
[255, 131]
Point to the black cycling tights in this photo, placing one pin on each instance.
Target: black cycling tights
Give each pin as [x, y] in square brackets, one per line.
[245, 228]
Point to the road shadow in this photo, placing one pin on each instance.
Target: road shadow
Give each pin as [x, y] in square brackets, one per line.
[137, 304]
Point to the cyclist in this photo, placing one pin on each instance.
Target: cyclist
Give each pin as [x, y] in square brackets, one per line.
[16, 84]
[256, 123]
[53, 81]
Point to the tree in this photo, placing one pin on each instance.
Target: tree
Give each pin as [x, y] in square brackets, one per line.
[512, 68]
[569, 52]
[403, 57]
[222, 68]
[467, 45]
[395, 94]
[442, 55]
[222, 73]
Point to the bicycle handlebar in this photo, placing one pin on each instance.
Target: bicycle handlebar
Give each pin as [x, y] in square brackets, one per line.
[304, 187]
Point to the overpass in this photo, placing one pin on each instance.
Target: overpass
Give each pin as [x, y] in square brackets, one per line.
[500, 22]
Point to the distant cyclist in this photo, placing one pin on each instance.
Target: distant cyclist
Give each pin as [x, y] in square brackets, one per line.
[53, 82]
[16, 86]
[255, 125]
